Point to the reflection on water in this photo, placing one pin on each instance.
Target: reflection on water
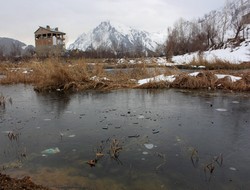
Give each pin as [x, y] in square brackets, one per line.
[170, 139]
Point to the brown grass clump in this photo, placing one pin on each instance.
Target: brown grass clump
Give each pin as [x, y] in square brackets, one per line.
[139, 71]
[53, 75]
[56, 75]
[82, 76]
[207, 80]
[203, 80]
[246, 77]
[227, 84]
[78, 75]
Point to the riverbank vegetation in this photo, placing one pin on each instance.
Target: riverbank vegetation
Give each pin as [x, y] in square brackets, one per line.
[80, 75]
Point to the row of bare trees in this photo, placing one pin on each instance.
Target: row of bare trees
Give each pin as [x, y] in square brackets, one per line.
[209, 31]
[15, 52]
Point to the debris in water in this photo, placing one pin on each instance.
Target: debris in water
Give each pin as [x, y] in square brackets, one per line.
[134, 136]
[13, 136]
[219, 159]
[210, 167]
[235, 102]
[115, 149]
[61, 135]
[145, 153]
[51, 151]
[195, 157]
[221, 109]
[155, 131]
[178, 139]
[69, 112]
[149, 146]
[163, 157]
[72, 136]
[99, 155]
[47, 119]
[232, 168]
[141, 117]
[92, 163]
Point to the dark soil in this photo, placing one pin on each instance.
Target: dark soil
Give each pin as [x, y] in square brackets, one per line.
[8, 183]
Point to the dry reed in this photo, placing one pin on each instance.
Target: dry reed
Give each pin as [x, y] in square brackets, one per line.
[203, 80]
[78, 75]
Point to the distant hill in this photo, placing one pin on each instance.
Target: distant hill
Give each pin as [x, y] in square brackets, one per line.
[12, 47]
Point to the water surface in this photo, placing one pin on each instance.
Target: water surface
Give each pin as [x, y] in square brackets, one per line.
[159, 131]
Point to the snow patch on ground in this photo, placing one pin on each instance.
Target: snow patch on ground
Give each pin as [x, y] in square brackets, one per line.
[158, 78]
[233, 78]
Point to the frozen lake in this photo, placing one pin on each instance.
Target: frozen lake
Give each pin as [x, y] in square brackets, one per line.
[169, 139]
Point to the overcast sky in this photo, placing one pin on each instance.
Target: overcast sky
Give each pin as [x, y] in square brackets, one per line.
[20, 18]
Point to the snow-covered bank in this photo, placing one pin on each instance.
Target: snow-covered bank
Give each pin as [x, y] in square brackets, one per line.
[171, 78]
[229, 54]
[236, 55]
[233, 55]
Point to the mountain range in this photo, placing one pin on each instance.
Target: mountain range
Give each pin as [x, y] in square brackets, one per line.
[117, 38]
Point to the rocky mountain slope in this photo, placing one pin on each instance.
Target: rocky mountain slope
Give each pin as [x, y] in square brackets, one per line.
[110, 36]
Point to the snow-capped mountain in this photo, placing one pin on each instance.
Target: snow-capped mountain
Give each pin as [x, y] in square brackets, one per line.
[110, 36]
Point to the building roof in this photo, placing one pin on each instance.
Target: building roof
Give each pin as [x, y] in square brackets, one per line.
[50, 30]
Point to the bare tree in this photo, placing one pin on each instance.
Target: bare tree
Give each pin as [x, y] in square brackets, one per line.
[1, 52]
[185, 37]
[224, 21]
[15, 50]
[237, 12]
[209, 28]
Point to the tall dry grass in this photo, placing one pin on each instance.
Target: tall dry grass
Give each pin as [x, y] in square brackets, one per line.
[77, 75]
[208, 80]
[54, 74]
[203, 80]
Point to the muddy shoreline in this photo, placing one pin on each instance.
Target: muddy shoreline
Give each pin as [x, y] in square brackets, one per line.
[8, 183]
